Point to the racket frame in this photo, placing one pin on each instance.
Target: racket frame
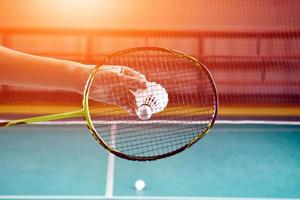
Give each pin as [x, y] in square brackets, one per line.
[149, 158]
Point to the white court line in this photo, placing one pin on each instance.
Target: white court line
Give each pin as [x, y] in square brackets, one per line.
[60, 197]
[111, 165]
[55, 197]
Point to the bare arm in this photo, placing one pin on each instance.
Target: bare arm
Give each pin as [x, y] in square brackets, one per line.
[23, 69]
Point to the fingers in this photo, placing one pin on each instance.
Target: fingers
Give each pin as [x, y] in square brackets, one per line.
[124, 98]
[130, 72]
[132, 79]
[123, 70]
[117, 83]
[132, 83]
[123, 76]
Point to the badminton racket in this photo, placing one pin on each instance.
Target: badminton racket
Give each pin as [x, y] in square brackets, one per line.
[188, 115]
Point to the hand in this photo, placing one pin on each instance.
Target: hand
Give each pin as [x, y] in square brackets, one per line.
[116, 85]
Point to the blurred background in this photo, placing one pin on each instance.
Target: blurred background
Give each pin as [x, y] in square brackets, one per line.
[250, 47]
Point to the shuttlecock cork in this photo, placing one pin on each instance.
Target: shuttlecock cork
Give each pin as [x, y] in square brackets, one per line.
[150, 101]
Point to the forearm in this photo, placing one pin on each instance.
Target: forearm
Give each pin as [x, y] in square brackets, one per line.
[22, 69]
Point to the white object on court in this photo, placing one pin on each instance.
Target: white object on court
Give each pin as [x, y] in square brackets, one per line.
[139, 185]
[150, 101]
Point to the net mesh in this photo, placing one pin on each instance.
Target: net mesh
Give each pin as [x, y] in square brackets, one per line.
[256, 73]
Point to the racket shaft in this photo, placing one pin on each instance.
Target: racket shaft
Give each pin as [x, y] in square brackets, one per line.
[66, 115]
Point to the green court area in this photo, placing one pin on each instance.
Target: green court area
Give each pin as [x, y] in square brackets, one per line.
[233, 161]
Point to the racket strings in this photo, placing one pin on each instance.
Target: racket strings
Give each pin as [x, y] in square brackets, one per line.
[148, 132]
[165, 138]
[142, 136]
[165, 146]
[140, 131]
[124, 133]
[191, 98]
[157, 139]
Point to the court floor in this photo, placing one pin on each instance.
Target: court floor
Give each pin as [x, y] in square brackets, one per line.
[234, 161]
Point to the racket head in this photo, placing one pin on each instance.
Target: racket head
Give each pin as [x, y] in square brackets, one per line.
[190, 114]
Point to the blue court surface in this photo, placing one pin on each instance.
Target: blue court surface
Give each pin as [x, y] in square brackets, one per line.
[234, 161]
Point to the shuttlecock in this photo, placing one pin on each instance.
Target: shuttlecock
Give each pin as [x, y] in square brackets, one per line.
[152, 100]
[144, 112]
[139, 185]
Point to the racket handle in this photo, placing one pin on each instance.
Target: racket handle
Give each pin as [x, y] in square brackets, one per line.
[77, 113]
